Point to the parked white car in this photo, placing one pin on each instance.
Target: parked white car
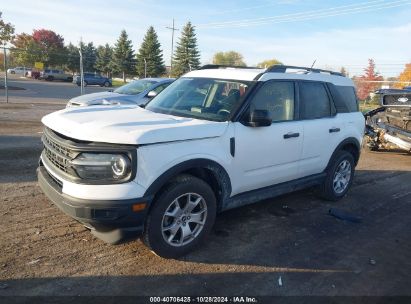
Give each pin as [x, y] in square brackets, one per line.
[216, 138]
[19, 71]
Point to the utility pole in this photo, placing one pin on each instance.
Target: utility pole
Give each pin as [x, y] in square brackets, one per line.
[6, 90]
[173, 29]
[81, 69]
[145, 68]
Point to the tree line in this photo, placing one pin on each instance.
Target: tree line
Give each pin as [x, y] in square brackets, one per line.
[48, 47]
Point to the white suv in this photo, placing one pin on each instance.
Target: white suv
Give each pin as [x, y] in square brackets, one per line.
[217, 138]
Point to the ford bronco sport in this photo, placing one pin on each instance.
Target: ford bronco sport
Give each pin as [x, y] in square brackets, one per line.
[217, 138]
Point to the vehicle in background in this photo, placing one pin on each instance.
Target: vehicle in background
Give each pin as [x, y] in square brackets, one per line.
[19, 71]
[50, 75]
[137, 92]
[93, 79]
[33, 74]
[389, 91]
[390, 124]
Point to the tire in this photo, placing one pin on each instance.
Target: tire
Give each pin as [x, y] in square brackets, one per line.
[106, 84]
[159, 226]
[334, 188]
[50, 78]
[85, 83]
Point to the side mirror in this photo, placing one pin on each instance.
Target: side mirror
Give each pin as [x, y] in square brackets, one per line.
[152, 94]
[258, 118]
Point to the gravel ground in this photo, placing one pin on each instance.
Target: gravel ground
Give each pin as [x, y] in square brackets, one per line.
[292, 237]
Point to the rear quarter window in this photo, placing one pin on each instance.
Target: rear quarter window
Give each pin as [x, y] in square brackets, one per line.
[348, 97]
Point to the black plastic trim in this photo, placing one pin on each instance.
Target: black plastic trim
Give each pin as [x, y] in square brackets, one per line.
[349, 140]
[257, 195]
[102, 215]
[279, 68]
[201, 163]
[232, 146]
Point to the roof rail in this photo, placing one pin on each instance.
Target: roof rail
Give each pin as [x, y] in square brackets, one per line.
[279, 68]
[222, 66]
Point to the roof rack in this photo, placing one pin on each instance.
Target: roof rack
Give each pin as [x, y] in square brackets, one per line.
[279, 68]
[222, 66]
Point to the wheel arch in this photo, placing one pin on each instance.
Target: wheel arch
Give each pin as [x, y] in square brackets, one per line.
[351, 145]
[208, 170]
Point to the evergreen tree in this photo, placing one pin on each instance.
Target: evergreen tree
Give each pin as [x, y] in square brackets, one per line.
[123, 56]
[103, 60]
[89, 56]
[73, 58]
[187, 56]
[150, 51]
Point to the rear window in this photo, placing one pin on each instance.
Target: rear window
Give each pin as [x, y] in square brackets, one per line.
[314, 100]
[348, 97]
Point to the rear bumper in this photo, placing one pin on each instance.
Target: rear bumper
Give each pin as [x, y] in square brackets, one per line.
[109, 220]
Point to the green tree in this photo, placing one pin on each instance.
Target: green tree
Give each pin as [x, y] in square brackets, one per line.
[231, 58]
[73, 58]
[26, 50]
[269, 62]
[150, 56]
[103, 60]
[123, 56]
[6, 31]
[89, 53]
[187, 56]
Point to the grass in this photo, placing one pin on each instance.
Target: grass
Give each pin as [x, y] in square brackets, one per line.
[117, 83]
[365, 107]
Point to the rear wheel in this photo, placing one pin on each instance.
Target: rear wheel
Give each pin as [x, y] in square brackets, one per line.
[182, 216]
[339, 178]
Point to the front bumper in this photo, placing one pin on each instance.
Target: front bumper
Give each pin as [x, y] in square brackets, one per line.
[109, 220]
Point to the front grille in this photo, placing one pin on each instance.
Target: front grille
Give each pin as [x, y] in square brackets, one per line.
[397, 100]
[57, 153]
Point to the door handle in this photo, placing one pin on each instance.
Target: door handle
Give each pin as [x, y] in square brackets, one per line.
[291, 135]
[334, 130]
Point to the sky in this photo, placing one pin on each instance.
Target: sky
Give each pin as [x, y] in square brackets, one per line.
[296, 32]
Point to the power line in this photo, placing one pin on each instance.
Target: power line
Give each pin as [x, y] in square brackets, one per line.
[308, 15]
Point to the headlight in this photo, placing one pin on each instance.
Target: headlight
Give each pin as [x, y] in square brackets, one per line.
[96, 166]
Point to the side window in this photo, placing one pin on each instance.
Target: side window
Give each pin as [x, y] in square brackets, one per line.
[276, 97]
[348, 96]
[314, 100]
[160, 88]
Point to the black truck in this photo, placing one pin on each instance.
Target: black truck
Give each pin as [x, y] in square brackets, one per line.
[390, 124]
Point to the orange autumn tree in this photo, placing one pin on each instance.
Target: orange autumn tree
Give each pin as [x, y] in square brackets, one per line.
[404, 77]
[365, 83]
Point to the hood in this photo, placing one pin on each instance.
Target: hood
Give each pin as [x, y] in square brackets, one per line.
[129, 125]
[101, 98]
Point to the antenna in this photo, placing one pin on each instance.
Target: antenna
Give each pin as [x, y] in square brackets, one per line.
[313, 64]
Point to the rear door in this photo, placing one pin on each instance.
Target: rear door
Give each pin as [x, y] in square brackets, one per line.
[323, 128]
[270, 155]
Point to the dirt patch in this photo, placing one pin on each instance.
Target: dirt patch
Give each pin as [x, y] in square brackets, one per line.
[45, 252]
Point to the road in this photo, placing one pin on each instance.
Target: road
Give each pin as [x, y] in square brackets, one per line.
[41, 91]
[292, 237]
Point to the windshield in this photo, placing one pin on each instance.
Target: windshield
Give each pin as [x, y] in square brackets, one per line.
[202, 98]
[135, 87]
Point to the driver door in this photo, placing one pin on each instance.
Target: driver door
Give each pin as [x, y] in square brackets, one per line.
[269, 155]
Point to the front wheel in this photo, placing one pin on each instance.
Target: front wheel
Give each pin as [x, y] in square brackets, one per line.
[182, 216]
[106, 84]
[339, 178]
